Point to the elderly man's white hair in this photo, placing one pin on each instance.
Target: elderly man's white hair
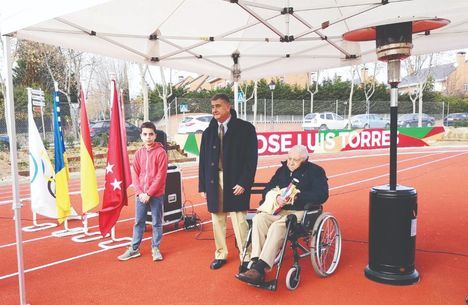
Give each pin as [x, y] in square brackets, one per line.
[300, 151]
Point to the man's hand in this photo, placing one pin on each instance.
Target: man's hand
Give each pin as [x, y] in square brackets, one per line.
[238, 190]
[143, 197]
[203, 194]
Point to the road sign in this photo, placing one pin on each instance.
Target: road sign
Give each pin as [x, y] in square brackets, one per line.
[240, 97]
[37, 97]
[183, 108]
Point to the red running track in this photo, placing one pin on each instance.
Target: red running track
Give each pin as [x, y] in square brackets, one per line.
[60, 271]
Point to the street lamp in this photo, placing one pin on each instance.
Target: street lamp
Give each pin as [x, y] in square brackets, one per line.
[272, 88]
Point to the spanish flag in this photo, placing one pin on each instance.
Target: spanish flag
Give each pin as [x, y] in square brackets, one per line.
[61, 165]
[89, 190]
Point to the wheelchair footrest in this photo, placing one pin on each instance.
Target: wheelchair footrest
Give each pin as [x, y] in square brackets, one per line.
[270, 285]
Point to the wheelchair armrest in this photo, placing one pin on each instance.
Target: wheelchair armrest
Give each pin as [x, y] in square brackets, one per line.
[291, 218]
[310, 216]
[311, 206]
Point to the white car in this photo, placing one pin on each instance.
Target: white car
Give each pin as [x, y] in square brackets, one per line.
[369, 121]
[323, 121]
[194, 123]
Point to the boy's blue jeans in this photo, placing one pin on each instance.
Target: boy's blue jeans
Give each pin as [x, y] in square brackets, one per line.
[141, 209]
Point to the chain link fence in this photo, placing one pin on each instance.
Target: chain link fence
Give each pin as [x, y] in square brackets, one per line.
[296, 109]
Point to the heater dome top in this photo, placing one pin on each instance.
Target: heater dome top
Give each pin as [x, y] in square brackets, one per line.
[419, 24]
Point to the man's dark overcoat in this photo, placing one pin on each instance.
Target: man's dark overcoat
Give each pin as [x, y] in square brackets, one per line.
[240, 163]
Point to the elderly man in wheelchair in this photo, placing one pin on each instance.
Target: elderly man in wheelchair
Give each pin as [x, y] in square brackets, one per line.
[291, 211]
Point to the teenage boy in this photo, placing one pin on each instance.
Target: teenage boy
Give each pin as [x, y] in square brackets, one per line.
[149, 171]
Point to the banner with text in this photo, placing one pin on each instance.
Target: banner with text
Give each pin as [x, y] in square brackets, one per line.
[278, 143]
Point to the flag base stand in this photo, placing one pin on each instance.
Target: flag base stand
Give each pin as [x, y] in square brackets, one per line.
[38, 226]
[115, 242]
[67, 231]
[88, 236]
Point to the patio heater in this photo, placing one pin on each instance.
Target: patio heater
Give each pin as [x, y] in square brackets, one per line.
[393, 207]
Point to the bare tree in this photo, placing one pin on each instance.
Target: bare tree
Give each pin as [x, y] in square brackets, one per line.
[164, 93]
[415, 66]
[144, 88]
[252, 95]
[351, 93]
[368, 83]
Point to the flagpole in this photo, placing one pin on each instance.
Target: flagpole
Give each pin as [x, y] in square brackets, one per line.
[16, 205]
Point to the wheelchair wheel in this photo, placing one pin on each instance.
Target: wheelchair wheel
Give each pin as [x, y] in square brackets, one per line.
[293, 278]
[325, 245]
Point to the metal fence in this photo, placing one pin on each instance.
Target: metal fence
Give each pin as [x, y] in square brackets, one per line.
[296, 109]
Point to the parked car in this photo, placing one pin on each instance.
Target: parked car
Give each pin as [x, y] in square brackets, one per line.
[369, 121]
[323, 121]
[454, 118]
[4, 142]
[194, 123]
[99, 131]
[411, 120]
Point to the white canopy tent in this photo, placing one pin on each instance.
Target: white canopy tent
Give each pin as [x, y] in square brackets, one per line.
[271, 37]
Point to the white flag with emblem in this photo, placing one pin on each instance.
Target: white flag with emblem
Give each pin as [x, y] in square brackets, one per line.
[41, 173]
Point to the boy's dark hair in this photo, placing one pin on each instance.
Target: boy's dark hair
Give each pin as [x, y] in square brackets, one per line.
[221, 96]
[149, 125]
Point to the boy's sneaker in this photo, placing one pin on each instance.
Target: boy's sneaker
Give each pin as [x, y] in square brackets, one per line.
[157, 256]
[130, 253]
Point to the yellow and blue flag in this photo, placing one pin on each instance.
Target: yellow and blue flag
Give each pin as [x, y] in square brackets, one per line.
[62, 195]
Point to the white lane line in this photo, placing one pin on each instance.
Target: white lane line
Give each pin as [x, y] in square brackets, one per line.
[178, 230]
[9, 201]
[78, 257]
[399, 171]
[332, 188]
[378, 166]
[90, 227]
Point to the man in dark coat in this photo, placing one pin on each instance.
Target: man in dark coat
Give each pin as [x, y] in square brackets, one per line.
[228, 161]
[269, 230]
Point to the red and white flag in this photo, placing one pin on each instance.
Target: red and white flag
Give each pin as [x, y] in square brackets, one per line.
[118, 177]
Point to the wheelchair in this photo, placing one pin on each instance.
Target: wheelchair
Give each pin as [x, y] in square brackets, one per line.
[317, 236]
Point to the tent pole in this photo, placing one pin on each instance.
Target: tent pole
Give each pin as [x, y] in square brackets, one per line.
[236, 103]
[16, 205]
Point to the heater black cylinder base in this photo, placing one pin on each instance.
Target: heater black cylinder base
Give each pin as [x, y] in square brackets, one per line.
[392, 279]
[392, 235]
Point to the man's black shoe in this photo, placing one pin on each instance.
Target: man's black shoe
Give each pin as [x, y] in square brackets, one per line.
[217, 263]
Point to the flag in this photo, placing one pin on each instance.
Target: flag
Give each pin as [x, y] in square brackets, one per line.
[61, 166]
[41, 173]
[117, 178]
[128, 175]
[88, 187]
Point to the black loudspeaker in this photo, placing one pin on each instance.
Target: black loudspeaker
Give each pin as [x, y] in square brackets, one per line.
[172, 197]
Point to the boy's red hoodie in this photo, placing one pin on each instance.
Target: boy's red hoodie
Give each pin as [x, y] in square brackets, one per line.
[149, 170]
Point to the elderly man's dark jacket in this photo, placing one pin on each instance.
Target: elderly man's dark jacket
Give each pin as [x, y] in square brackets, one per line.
[240, 156]
[312, 184]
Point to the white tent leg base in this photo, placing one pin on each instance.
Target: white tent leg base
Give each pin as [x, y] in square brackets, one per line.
[38, 226]
[88, 236]
[115, 242]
